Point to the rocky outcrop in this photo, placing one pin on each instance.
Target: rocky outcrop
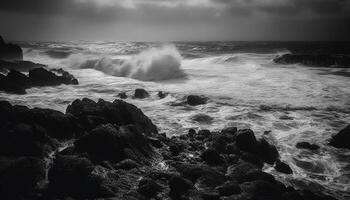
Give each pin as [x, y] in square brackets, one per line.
[140, 93]
[342, 139]
[10, 51]
[195, 100]
[306, 145]
[19, 65]
[316, 60]
[118, 112]
[16, 82]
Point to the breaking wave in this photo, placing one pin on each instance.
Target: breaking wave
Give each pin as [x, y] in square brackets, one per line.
[154, 64]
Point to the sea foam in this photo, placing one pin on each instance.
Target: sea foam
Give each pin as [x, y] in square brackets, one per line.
[153, 64]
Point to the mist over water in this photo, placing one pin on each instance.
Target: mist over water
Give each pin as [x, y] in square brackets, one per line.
[245, 88]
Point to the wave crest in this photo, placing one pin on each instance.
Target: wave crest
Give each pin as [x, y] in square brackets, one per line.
[150, 65]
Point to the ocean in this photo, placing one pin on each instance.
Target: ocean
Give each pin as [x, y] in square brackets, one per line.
[246, 89]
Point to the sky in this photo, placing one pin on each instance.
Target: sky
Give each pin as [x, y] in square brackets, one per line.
[175, 20]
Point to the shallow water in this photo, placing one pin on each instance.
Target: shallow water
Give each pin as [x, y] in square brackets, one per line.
[246, 89]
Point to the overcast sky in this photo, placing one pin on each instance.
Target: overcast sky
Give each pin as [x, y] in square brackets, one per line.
[174, 20]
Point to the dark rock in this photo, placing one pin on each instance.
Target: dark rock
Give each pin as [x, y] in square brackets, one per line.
[119, 112]
[342, 139]
[122, 95]
[9, 86]
[229, 130]
[72, 176]
[2, 42]
[179, 186]
[193, 172]
[65, 77]
[318, 60]
[18, 78]
[148, 187]
[267, 152]
[141, 93]
[202, 118]
[58, 54]
[20, 65]
[246, 141]
[232, 149]
[209, 195]
[162, 95]
[283, 167]
[126, 164]
[212, 157]
[254, 175]
[155, 142]
[174, 149]
[204, 132]
[106, 142]
[229, 188]
[306, 145]
[191, 133]
[252, 158]
[210, 181]
[262, 190]
[10, 52]
[20, 176]
[239, 170]
[194, 100]
[43, 77]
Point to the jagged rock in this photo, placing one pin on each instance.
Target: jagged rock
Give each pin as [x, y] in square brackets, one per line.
[306, 145]
[155, 142]
[43, 77]
[318, 60]
[122, 95]
[342, 139]
[22, 66]
[229, 188]
[239, 170]
[148, 187]
[71, 176]
[267, 152]
[162, 95]
[179, 186]
[283, 167]
[118, 112]
[194, 100]
[212, 157]
[246, 141]
[10, 51]
[141, 93]
[9, 86]
[106, 142]
[19, 176]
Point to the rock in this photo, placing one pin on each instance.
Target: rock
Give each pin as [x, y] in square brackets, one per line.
[122, 95]
[194, 100]
[306, 145]
[20, 65]
[43, 77]
[342, 139]
[106, 142]
[239, 170]
[162, 95]
[212, 157]
[2, 42]
[174, 150]
[252, 158]
[254, 175]
[148, 187]
[191, 133]
[155, 142]
[283, 167]
[229, 188]
[260, 189]
[204, 132]
[10, 87]
[10, 51]
[140, 93]
[267, 152]
[318, 60]
[202, 118]
[229, 130]
[246, 141]
[126, 164]
[18, 78]
[119, 112]
[20, 176]
[58, 54]
[210, 181]
[72, 176]
[179, 186]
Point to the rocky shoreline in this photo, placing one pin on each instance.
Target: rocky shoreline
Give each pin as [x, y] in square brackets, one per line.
[112, 150]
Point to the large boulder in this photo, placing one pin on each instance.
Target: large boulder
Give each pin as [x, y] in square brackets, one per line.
[43, 77]
[319, 60]
[9, 86]
[194, 100]
[119, 112]
[10, 51]
[140, 93]
[20, 65]
[20, 176]
[246, 141]
[342, 139]
[106, 142]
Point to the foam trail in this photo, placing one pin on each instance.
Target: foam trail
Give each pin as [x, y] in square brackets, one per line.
[150, 65]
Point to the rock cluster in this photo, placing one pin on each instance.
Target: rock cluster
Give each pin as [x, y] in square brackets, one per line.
[10, 51]
[115, 152]
[17, 82]
[317, 60]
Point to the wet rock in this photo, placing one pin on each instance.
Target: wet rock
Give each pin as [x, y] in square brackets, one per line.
[179, 186]
[318, 60]
[252, 158]
[122, 95]
[267, 152]
[161, 94]
[20, 176]
[193, 172]
[148, 187]
[119, 112]
[229, 188]
[65, 77]
[194, 100]
[18, 78]
[126, 164]
[43, 77]
[229, 130]
[155, 142]
[2, 42]
[306, 145]
[202, 118]
[10, 51]
[191, 133]
[239, 170]
[341, 139]
[20, 65]
[283, 167]
[261, 190]
[254, 175]
[9, 86]
[210, 181]
[72, 176]
[246, 141]
[141, 93]
[106, 142]
[212, 157]
[174, 149]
